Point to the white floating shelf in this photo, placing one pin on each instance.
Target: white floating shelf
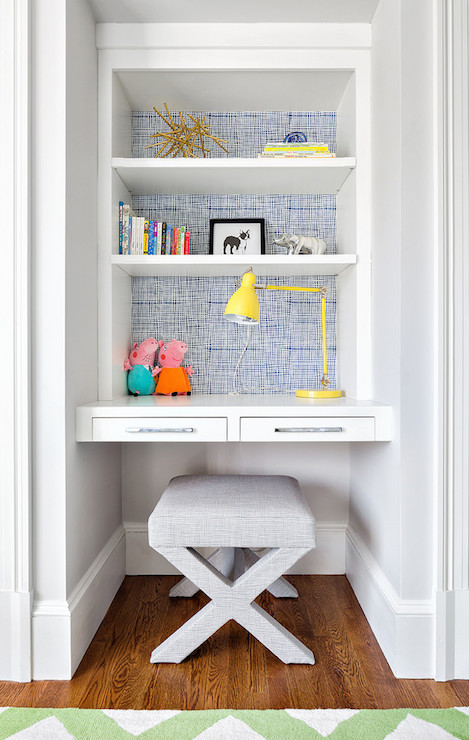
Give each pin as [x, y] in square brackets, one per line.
[203, 265]
[233, 176]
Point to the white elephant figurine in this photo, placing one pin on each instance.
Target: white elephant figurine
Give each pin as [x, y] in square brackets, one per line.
[301, 244]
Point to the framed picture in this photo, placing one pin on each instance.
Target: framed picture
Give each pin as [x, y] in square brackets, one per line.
[237, 236]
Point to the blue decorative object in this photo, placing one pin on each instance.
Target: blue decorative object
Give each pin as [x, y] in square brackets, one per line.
[295, 136]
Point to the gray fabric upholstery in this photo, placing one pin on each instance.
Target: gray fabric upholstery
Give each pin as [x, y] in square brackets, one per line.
[232, 600]
[232, 511]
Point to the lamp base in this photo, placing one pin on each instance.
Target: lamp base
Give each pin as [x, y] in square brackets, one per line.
[319, 394]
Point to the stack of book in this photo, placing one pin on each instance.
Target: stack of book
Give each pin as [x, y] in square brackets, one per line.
[280, 149]
[140, 235]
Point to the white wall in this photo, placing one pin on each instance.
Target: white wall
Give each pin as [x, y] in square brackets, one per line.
[375, 503]
[76, 488]
[391, 506]
[48, 241]
[93, 471]
[418, 336]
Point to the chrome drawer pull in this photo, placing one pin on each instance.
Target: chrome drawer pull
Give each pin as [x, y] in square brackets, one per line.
[143, 430]
[309, 429]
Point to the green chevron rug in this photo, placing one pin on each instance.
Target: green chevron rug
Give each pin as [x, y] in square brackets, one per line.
[227, 724]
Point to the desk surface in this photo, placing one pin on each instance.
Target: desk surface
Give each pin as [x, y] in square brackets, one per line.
[236, 418]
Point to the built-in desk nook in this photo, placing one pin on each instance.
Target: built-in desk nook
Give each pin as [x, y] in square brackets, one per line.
[340, 449]
[242, 416]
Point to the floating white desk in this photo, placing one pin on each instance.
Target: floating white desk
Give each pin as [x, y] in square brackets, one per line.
[225, 418]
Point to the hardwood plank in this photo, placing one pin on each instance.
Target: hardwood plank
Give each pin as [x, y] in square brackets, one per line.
[11, 694]
[461, 690]
[239, 681]
[232, 669]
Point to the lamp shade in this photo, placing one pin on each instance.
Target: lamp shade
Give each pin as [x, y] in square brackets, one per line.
[243, 306]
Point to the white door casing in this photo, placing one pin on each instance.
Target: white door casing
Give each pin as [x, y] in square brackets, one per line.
[452, 319]
[15, 446]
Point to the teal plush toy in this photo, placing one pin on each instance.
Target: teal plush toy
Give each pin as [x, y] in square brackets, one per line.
[140, 381]
[140, 366]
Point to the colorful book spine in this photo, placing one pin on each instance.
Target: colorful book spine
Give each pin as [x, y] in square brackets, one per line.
[159, 238]
[139, 235]
[134, 235]
[169, 238]
[181, 240]
[121, 208]
[131, 234]
[139, 244]
[151, 236]
[315, 146]
[126, 228]
[155, 237]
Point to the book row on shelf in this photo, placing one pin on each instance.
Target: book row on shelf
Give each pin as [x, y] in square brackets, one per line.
[140, 235]
[284, 150]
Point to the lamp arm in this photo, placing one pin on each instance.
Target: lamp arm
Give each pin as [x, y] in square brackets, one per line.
[262, 286]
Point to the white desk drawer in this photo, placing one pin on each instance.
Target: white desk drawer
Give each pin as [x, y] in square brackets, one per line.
[160, 429]
[308, 429]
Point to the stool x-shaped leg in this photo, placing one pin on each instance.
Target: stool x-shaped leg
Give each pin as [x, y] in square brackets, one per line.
[229, 560]
[232, 600]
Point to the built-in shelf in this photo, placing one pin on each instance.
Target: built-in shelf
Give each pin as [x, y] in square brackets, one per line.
[233, 176]
[265, 264]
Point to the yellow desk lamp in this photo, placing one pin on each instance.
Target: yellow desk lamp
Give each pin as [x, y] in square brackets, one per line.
[243, 308]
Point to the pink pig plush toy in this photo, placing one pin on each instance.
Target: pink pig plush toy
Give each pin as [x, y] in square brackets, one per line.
[142, 354]
[140, 362]
[173, 380]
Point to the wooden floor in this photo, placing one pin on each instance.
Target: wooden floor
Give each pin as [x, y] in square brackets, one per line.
[232, 670]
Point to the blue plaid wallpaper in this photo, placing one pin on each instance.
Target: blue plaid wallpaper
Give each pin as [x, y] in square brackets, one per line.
[246, 132]
[284, 352]
[310, 215]
[285, 349]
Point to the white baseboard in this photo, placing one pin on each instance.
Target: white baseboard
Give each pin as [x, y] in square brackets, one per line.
[62, 630]
[15, 636]
[328, 558]
[404, 629]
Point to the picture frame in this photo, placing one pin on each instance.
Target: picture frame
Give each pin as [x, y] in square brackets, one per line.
[237, 236]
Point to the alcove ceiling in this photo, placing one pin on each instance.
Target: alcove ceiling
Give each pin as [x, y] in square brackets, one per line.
[238, 11]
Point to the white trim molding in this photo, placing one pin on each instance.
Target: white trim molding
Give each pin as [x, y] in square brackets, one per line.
[328, 557]
[15, 327]
[233, 35]
[404, 628]
[63, 630]
[452, 319]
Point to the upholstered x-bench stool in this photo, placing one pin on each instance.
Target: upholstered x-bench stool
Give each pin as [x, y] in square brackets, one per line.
[232, 513]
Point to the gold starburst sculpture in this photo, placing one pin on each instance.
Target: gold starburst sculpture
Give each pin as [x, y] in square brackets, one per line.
[183, 138]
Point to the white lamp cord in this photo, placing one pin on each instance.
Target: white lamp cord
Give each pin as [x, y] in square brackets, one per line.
[234, 392]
